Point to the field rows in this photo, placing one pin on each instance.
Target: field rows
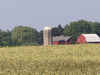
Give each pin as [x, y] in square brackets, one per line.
[51, 60]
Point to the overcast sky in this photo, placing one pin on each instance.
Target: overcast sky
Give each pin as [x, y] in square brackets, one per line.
[40, 13]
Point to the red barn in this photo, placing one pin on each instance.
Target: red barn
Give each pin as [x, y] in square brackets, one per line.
[61, 40]
[88, 38]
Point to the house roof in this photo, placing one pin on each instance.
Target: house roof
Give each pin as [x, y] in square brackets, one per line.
[91, 37]
[58, 38]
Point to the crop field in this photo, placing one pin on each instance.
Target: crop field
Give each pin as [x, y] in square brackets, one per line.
[51, 60]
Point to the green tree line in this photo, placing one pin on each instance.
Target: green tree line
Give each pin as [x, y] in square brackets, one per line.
[23, 35]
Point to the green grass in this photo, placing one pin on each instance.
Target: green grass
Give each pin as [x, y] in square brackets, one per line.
[51, 60]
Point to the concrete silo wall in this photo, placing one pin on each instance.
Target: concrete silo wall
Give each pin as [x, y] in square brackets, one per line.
[47, 36]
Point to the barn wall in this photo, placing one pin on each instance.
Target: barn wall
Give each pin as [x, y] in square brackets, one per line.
[81, 39]
[55, 42]
[68, 42]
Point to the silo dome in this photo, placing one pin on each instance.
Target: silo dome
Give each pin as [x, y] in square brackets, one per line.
[47, 28]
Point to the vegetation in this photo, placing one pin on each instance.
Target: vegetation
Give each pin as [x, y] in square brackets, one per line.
[23, 35]
[57, 31]
[77, 28]
[50, 60]
[5, 38]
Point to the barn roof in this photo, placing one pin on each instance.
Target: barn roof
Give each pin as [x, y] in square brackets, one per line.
[62, 37]
[91, 37]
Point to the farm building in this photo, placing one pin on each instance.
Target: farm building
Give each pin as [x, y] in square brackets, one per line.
[57, 40]
[88, 38]
[47, 36]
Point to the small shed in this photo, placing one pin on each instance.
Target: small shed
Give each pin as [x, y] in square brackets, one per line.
[57, 40]
[88, 38]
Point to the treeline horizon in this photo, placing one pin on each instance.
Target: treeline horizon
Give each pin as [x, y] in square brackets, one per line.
[24, 35]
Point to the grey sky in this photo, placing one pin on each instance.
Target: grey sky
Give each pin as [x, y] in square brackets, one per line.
[40, 13]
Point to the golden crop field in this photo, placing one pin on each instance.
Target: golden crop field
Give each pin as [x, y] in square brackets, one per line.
[51, 60]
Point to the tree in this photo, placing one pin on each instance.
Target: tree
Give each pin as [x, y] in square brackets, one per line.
[74, 29]
[96, 28]
[24, 35]
[57, 31]
[40, 37]
[5, 38]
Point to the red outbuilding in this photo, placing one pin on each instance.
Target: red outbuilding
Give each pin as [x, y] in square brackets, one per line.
[88, 38]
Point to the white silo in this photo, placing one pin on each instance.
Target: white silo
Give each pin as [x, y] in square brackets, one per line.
[47, 36]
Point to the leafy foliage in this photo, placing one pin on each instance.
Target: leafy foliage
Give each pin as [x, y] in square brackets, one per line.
[57, 31]
[22, 35]
[40, 37]
[96, 28]
[5, 38]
